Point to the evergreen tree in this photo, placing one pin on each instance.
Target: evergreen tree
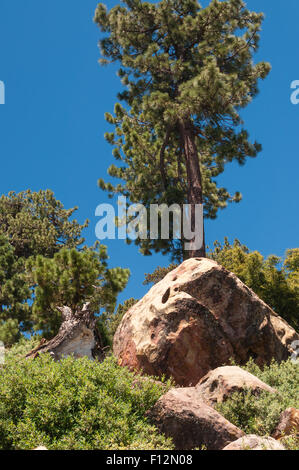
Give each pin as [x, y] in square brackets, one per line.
[14, 293]
[158, 274]
[109, 321]
[42, 266]
[73, 278]
[291, 267]
[31, 224]
[37, 223]
[187, 72]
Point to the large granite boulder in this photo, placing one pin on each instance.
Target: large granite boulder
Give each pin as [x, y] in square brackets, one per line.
[253, 442]
[219, 384]
[191, 424]
[195, 320]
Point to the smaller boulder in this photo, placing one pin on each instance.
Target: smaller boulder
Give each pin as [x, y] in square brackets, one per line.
[190, 422]
[288, 424]
[41, 448]
[219, 384]
[253, 442]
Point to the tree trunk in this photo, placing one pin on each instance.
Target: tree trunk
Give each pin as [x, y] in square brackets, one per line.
[195, 195]
[77, 336]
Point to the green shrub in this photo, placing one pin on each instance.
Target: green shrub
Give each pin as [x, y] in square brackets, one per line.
[75, 404]
[261, 415]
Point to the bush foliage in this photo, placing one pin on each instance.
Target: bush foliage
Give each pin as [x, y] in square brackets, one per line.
[261, 415]
[75, 404]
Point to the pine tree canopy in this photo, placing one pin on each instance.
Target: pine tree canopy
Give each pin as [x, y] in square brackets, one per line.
[73, 278]
[31, 224]
[187, 72]
[37, 223]
[43, 266]
[14, 292]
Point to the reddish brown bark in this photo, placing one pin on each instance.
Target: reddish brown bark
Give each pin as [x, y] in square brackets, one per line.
[195, 194]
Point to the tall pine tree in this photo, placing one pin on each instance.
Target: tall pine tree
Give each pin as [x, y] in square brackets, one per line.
[187, 72]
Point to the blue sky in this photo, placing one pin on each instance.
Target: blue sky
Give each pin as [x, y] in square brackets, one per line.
[52, 125]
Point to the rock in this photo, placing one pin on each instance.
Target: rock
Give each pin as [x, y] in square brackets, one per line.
[191, 423]
[253, 442]
[41, 448]
[221, 383]
[195, 320]
[288, 424]
[78, 336]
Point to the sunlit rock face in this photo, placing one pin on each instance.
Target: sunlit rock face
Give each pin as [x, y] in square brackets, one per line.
[195, 320]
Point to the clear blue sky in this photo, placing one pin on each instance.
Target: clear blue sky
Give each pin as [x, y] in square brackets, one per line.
[52, 125]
